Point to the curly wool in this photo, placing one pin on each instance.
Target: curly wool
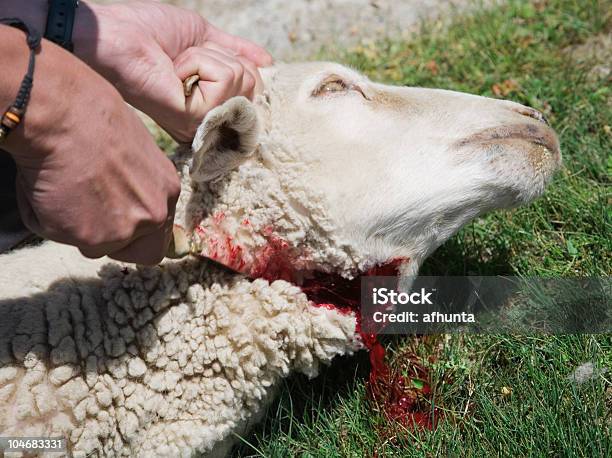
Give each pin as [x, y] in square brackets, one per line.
[264, 212]
[170, 360]
[260, 215]
[160, 361]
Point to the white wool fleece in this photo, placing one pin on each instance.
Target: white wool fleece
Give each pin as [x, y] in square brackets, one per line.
[259, 216]
[162, 361]
[170, 360]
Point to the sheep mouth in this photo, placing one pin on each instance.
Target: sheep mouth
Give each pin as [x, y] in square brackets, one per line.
[537, 134]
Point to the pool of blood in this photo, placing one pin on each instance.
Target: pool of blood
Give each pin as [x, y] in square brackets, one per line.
[392, 391]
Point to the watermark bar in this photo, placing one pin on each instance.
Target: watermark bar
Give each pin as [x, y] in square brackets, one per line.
[32, 444]
[481, 305]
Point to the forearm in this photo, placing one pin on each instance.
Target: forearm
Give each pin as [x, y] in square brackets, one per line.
[56, 90]
[14, 54]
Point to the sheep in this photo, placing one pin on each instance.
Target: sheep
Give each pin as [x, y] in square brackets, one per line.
[326, 173]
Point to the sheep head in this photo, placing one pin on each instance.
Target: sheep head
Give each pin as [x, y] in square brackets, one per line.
[330, 172]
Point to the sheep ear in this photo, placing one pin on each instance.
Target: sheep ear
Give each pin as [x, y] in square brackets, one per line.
[225, 139]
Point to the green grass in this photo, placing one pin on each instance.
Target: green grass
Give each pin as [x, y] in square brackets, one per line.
[501, 395]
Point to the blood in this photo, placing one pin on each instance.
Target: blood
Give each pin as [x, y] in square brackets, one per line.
[400, 393]
[275, 260]
[391, 390]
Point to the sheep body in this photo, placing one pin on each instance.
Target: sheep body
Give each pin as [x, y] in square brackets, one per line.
[159, 361]
[168, 361]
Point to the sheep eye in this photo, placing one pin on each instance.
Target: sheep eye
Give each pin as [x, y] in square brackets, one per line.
[330, 86]
[335, 84]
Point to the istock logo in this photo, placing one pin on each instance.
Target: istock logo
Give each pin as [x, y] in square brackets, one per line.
[384, 296]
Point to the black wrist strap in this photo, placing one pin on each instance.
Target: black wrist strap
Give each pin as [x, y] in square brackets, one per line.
[60, 21]
[14, 114]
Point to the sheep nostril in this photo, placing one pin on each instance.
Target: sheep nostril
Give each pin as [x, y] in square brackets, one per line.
[540, 117]
[534, 114]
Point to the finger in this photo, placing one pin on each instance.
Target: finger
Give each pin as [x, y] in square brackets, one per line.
[31, 221]
[249, 75]
[206, 69]
[253, 78]
[108, 247]
[98, 251]
[232, 62]
[253, 73]
[220, 78]
[196, 58]
[147, 250]
[249, 66]
[152, 232]
[248, 85]
[152, 248]
[208, 64]
[256, 54]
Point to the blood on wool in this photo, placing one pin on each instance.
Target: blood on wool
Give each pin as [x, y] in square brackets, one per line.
[392, 391]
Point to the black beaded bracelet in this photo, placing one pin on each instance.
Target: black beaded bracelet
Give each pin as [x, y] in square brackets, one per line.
[14, 114]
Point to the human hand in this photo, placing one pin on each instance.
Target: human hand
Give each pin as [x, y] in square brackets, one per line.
[145, 49]
[89, 173]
